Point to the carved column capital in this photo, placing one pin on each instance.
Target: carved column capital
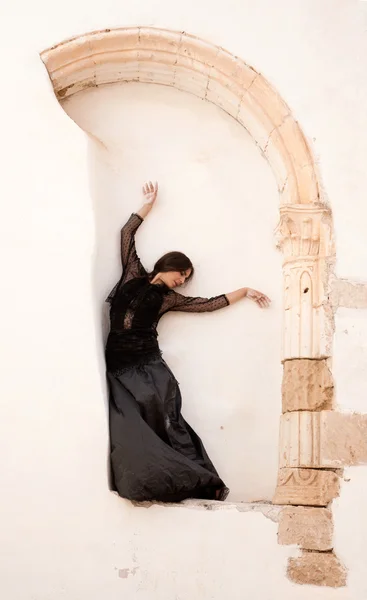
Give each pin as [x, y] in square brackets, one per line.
[304, 235]
[304, 231]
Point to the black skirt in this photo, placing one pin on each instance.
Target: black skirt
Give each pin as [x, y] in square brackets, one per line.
[155, 454]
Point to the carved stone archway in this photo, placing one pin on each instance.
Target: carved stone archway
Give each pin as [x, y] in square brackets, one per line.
[309, 439]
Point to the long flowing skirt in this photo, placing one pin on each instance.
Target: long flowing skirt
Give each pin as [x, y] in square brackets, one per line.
[155, 454]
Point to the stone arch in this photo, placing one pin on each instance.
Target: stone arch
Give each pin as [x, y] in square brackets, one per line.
[187, 63]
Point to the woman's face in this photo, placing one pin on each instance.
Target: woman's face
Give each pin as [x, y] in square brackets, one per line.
[174, 279]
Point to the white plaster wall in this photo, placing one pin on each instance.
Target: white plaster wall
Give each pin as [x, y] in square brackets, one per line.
[63, 534]
[350, 359]
[219, 204]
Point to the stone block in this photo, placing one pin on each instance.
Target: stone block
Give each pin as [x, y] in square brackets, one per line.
[317, 568]
[255, 120]
[235, 69]
[309, 528]
[325, 439]
[198, 50]
[296, 143]
[298, 148]
[270, 101]
[306, 487]
[158, 40]
[277, 153]
[193, 66]
[113, 41]
[223, 97]
[193, 83]
[307, 385]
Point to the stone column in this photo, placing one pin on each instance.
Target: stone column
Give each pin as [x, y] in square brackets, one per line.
[304, 236]
[306, 460]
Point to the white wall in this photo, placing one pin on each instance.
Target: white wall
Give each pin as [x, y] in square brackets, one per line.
[63, 534]
[219, 204]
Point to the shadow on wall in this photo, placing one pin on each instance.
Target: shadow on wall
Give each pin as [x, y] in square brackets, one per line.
[218, 202]
[104, 253]
[101, 257]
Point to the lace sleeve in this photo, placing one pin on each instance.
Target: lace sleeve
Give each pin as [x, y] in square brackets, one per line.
[130, 261]
[131, 264]
[178, 302]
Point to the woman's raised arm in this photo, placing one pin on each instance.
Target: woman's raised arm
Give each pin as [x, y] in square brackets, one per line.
[150, 192]
[129, 258]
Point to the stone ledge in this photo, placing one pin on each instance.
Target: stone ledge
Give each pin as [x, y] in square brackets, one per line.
[269, 510]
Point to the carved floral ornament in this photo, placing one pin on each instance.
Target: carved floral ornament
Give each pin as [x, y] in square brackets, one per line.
[309, 448]
[305, 231]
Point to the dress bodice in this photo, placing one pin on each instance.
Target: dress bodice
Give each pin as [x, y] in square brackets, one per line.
[136, 305]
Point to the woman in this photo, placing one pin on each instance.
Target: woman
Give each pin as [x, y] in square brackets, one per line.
[155, 454]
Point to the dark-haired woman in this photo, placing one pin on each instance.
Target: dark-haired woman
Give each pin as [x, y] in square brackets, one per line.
[155, 454]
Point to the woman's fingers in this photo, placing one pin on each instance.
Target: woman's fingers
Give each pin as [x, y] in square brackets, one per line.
[155, 189]
[264, 302]
[267, 301]
[261, 299]
[150, 190]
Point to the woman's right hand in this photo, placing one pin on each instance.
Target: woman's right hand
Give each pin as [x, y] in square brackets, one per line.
[261, 299]
[150, 192]
[258, 297]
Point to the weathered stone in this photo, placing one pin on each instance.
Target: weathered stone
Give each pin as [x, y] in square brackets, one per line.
[309, 528]
[298, 148]
[304, 234]
[324, 439]
[270, 101]
[306, 487]
[349, 294]
[317, 568]
[235, 69]
[307, 385]
[344, 439]
[255, 120]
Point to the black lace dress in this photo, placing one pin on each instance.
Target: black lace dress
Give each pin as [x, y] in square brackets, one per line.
[155, 454]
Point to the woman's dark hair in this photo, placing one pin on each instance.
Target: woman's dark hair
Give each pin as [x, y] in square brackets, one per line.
[173, 261]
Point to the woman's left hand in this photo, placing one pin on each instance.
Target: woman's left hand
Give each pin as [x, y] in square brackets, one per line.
[261, 299]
